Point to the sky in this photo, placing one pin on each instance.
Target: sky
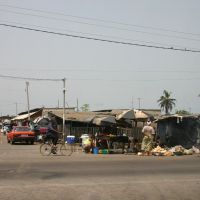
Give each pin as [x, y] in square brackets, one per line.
[114, 63]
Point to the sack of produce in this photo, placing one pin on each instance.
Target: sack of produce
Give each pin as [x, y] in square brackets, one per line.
[168, 153]
[188, 151]
[158, 151]
[195, 149]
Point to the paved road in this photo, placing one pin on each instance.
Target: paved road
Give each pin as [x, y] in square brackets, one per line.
[24, 174]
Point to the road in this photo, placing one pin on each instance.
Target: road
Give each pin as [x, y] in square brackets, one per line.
[24, 174]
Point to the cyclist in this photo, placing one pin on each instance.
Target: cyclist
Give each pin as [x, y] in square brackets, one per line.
[52, 132]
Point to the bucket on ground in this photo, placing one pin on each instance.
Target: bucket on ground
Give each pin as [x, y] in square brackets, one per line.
[95, 150]
[104, 151]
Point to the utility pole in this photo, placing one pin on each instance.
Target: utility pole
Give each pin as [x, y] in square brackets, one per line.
[58, 103]
[77, 105]
[64, 90]
[16, 108]
[132, 103]
[27, 93]
[139, 99]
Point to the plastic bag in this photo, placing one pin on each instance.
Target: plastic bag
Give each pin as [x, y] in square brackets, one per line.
[195, 149]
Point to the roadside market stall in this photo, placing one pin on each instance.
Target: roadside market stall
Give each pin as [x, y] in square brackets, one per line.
[111, 143]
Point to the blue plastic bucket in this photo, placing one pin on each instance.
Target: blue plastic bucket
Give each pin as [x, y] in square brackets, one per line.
[70, 139]
[95, 150]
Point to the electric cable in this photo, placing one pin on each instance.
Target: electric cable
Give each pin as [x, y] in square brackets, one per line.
[98, 70]
[99, 79]
[98, 39]
[29, 78]
[108, 36]
[98, 25]
[100, 20]
[134, 80]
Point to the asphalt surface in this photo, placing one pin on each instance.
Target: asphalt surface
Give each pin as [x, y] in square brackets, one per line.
[24, 174]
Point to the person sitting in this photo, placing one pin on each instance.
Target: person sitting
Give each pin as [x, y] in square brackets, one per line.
[87, 145]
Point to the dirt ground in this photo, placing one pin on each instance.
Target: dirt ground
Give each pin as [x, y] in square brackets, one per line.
[25, 174]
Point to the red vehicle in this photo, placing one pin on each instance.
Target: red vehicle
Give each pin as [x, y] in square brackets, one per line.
[21, 134]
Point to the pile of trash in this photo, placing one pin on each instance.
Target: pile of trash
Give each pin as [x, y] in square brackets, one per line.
[173, 151]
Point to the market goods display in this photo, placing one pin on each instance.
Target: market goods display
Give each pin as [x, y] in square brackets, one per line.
[173, 151]
[158, 151]
[168, 153]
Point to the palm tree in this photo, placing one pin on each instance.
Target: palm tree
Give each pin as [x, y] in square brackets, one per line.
[166, 103]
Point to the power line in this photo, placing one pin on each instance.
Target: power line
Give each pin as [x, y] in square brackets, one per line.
[128, 39]
[101, 70]
[101, 20]
[99, 25]
[99, 79]
[98, 39]
[28, 78]
[134, 80]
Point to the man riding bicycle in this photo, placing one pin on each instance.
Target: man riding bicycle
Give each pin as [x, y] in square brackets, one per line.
[52, 132]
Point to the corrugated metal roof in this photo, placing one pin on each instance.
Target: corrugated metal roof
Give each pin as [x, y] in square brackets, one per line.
[165, 117]
[126, 114]
[140, 115]
[21, 117]
[155, 113]
[97, 117]
[98, 120]
[86, 117]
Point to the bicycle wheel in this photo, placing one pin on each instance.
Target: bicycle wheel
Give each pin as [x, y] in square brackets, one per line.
[77, 148]
[66, 150]
[45, 149]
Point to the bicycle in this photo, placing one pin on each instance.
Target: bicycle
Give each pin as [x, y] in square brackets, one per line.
[47, 147]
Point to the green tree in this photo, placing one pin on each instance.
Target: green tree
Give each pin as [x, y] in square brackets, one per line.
[183, 112]
[166, 102]
[85, 107]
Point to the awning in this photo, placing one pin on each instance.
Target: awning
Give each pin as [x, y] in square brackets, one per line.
[127, 114]
[104, 120]
[140, 115]
[22, 117]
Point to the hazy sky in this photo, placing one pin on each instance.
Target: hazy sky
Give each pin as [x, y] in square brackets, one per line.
[102, 74]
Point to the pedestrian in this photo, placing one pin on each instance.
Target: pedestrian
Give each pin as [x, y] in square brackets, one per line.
[1, 136]
[147, 142]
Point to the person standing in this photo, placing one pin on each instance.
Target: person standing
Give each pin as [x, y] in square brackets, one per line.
[147, 141]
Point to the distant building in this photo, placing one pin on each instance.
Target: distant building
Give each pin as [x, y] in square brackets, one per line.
[23, 117]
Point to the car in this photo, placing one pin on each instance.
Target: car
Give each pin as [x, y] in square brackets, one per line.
[21, 134]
